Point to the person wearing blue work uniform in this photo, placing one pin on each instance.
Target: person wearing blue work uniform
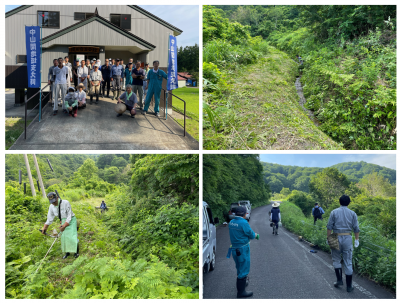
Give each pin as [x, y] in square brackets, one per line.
[240, 234]
[275, 216]
[154, 82]
[343, 221]
[116, 75]
[317, 212]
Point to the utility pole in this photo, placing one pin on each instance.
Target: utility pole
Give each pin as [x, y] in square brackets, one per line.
[28, 169]
[39, 176]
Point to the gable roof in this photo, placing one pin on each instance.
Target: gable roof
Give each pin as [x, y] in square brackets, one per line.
[135, 7]
[103, 21]
[185, 75]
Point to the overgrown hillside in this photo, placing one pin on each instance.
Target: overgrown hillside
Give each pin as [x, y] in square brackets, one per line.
[298, 178]
[348, 70]
[145, 246]
[230, 178]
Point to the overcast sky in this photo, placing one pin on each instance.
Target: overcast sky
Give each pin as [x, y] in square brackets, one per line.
[184, 17]
[325, 160]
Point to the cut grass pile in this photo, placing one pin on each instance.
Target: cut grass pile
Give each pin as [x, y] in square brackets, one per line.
[260, 110]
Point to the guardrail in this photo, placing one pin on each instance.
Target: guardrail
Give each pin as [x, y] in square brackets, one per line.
[40, 108]
[184, 109]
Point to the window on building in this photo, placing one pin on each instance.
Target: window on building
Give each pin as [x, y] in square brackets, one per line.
[49, 19]
[21, 59]
[123, 21]
[82, 16]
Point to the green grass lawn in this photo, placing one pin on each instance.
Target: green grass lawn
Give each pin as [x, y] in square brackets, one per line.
[14, 128]
[191, 96]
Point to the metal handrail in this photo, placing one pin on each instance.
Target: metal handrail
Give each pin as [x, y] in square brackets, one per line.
[184, 110]
[40, 109]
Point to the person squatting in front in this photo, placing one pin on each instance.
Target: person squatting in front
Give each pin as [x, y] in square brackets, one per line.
[71, 103]
[240, 234]
[69, 228]
[154, 80]
[275, 216]
[343, 221]
[130, 100]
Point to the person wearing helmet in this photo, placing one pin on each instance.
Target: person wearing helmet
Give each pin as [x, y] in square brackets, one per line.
[240, 234]
[95, 80]
[61, 209]
[71, 103]
[342, 221]
[275, 216]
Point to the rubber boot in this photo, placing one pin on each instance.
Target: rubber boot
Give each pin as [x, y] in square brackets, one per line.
[91, 99]
[276, 230]
[247, 281]
[338, 272]
[114, 94]
[349, 283]
[118, 93]
[241, 288]
[76, 255]
[97, 99]
[66, 256]
[75, 112]
[108, 93]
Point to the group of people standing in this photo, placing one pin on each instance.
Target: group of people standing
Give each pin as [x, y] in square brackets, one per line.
[71, 84]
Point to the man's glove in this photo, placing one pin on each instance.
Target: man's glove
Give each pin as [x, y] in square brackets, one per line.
[356, 243]
[257, 236]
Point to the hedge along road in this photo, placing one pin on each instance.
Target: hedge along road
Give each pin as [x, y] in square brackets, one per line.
[282, 268]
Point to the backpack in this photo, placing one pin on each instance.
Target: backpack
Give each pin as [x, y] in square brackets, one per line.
[317, 212]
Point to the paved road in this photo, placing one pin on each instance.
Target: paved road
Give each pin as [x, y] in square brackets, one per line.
[98, 128]
[282, 268]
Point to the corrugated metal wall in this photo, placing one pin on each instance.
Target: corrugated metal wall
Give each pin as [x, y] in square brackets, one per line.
[142, 26]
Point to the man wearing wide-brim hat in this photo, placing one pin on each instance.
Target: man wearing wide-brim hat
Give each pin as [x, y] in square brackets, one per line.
[69, 228]
[342, 221]
[275, 216]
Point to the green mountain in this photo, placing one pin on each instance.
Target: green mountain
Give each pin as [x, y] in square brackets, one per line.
[298, 178]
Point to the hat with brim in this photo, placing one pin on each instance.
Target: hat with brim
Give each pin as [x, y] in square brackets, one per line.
[276, 204]
[240, 211]
[81, 85]
[52, 197]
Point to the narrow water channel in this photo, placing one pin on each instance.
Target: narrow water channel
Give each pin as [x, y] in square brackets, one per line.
[302, 101]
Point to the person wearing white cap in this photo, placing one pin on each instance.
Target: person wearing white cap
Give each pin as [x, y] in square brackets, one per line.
[71, 102]
[95, 79]
[81, 96]
[83, 72]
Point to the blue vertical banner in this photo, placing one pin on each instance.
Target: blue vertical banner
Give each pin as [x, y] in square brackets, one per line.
[32, 37]
[172, 64]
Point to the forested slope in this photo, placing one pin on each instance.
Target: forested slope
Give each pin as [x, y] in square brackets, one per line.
[349, 69]
[145, 246]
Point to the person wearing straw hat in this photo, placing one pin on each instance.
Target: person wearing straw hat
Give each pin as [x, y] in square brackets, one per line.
[69, 224]
[95, 80]
[240, 234]
[81, 96]
[130, 100]
[275, 216]
[342, 221]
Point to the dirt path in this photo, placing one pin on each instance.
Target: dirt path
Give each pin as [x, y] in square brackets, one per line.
[302, 101]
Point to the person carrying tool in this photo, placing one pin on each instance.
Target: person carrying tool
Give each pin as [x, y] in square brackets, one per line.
[103, 206]
[240, 234]
[275, 216]
[69, 228]
[317, 212]
[343, 221]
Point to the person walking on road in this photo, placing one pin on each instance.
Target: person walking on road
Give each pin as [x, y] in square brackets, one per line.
[275, 216]
[317, 212]
[240, 234]
[342, 221]
[62, 209]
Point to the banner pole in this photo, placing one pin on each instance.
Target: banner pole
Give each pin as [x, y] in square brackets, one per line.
[166, 95]
[40, 82]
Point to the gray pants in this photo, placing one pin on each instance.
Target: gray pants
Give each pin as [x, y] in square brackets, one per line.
[116, 84]
[53, 91]
[138, 90]
[61, 90]
[123, 83]
[346, 250]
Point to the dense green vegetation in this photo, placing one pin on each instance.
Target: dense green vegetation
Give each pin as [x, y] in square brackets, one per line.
[188, 59]
[230, 178]
[145, 246]
[348, 75]
[298, 178]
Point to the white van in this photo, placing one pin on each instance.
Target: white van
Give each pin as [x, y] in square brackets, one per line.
[209, 238]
